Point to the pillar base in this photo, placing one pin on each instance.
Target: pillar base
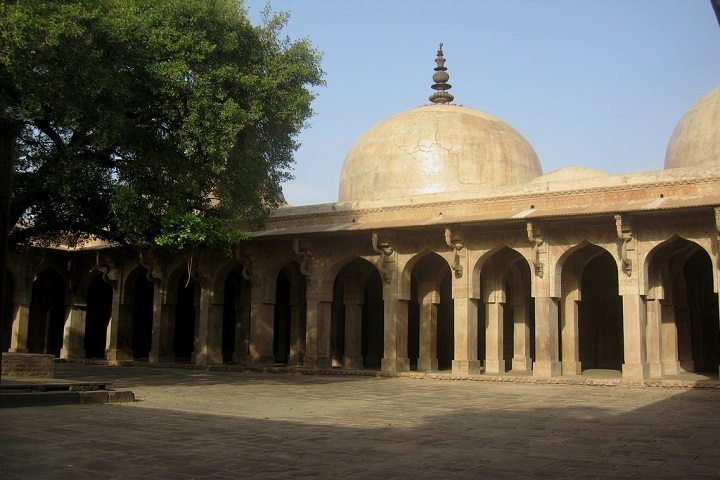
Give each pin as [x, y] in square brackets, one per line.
[294, 360]
[352, 363]
[72, 354]
[670, 368]
[427, 365]
[117, 355]
[467, 367]
[163, 358]
[547, 369]
[494, 366]
[395, 365]
[686, 366]
[656, 369]
[203, 359]
[571, 368]
[635, 371]
[261, 361]
[522, 364]
[18, 350]
[317, 362]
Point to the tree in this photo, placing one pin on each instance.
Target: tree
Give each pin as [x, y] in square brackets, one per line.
[149, 122]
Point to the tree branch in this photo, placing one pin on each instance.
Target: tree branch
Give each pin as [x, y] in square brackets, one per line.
[45, 127]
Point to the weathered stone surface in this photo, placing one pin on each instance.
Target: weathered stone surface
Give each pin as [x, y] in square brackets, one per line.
[28, 365]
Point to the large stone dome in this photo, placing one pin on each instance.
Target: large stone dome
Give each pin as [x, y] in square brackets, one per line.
[696, 139]
[435, 149]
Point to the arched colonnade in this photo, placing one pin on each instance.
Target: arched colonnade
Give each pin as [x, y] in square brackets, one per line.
[467, 302]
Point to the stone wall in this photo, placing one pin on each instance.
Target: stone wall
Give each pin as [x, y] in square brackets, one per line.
[28, 365]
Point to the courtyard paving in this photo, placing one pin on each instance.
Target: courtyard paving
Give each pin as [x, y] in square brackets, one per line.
[214, 424]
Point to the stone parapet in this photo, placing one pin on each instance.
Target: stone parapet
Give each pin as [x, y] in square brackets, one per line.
[28, 365]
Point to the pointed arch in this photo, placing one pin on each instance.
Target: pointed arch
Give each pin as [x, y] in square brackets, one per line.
[682, 309]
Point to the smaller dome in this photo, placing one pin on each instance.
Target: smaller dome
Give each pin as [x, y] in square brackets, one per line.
[569, 174]
[696, 139]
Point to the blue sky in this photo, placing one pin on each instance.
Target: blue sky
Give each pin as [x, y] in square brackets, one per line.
[599, 84]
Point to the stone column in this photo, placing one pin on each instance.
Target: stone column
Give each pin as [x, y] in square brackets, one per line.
[547, 351]
[570, 335]
[634, 340]
[163, 328]
[669, 345]
[317, 334]
[683, 320]
[119, 332]
[298, 311]
[242, 326]
[74, 330]
[395, 356]
[262, 325]
[196, 330]
[466, 335]
[654, 337]
[210, 323]
[429, 300]
[494, 361]
[521, 337]
[354, 299]
[20, 318]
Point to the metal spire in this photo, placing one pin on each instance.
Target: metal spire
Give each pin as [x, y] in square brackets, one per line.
[440, 77]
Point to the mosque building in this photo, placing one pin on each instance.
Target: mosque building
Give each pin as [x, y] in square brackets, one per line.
[448, 250]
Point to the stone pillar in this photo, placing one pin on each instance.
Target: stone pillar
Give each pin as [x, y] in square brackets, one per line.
[429, 300]
[298, 311]
[521, 337]
[262, 324]
[74, 331]
[354, 299]
[634, 340]
[163, 328]
[494, 361]
[317, 334]
[570, 336]
[210, 328]
[242, 326]
[352, 357]
[669, 345]
[547, 351]
[466, 335]
[654, 338]
[395, 356]
[683, 320]
[119, 333]
[20, 323]
[196, 330]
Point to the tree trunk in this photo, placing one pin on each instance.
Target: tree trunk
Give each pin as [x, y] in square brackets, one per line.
[9, 131]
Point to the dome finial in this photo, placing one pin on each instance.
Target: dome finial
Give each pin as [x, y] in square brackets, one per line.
[440, 77]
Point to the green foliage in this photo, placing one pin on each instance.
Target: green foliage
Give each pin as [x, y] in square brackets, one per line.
[140, 114]
[191, 233]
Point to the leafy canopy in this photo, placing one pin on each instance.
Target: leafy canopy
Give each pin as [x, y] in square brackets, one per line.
[149, 122]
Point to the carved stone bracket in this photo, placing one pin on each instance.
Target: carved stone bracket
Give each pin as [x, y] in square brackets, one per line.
[384, 250]
[537, 240]
[106, 268]
[456, 244]
[154, 274]
[246, 261]
[717, 222]
[624, 235]
[306, 254]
